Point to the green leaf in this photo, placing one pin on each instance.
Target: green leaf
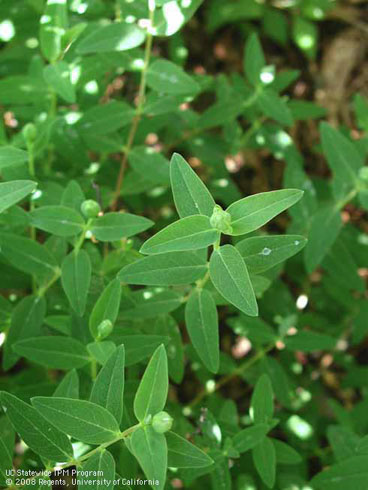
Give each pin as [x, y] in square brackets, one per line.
[106, 307]
[164, 76]
[80, 419]
[101, 350]
[254, 59]
[305, 35]
[285, 454]
[114, 226]
[190, 233]
[165, 325]
[252, 212]
[10, 156]
[351, 473]
[273, 106]
[150, 449]
[341, 154]
[15, 191]
[148, 304]
[26, 322]
[28, 256]
[53, 25]
[75, 279]
[202, 324]
[264, 457]
[69, 386]
[118, 36]
[139, 347]
[108, 388]
[105, 118]
[361, 111]
[54, 352]
[248, 438]
[58, 76]
[230, 277]
[183, 454]
[73, 196]
[324, 229]
[261, 405]
[7, 443]
[173, 15]
[150, 164]
[58, 220]
[263, 252]
[101, 464]
[172, 268]
[307, 341]
[191, 196]
[151, 395]
[302, 110]
[43, 438]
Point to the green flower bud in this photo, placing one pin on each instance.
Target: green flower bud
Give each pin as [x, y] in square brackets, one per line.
[162, 422]
[104, 329]
[30, 133]
[221, 220]
[90, 208]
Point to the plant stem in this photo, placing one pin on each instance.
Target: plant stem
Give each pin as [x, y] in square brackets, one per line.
[139, 110]
[78, 461]
[82, 237]
[43, 289]
[229, 377]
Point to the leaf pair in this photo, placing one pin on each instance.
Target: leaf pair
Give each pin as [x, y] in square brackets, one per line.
[150, 447]
[195, 206]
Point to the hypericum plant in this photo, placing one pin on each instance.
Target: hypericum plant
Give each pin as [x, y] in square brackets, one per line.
[195, 348]
[177, 255]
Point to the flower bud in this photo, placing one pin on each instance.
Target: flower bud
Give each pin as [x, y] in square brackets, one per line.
[30, 133]
[221, 220]
[90, 208]
[104, 329]
[162, 422]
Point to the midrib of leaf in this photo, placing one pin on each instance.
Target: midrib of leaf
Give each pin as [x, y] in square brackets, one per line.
[233, 280]
[16, 193]
[204, 329]
[66, 354]
[196, 205]
[177, 268]
[32, 258]
[10, 456]
[29, 315]
[87, 422]
[153, 387]
[42, 434]
[258, 211]
[174, 240]
[150, 452]
[110, 386]
[340, 156]
[277, 249]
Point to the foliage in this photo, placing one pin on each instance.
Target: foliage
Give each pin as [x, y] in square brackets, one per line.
[135, 277]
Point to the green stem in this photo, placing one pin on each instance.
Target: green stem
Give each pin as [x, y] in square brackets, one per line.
[229, 377]
[43, 289]
[78, 461]
[51, 115]
[343, 202]
[139, 110]
[201, 282]
[82, 237]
